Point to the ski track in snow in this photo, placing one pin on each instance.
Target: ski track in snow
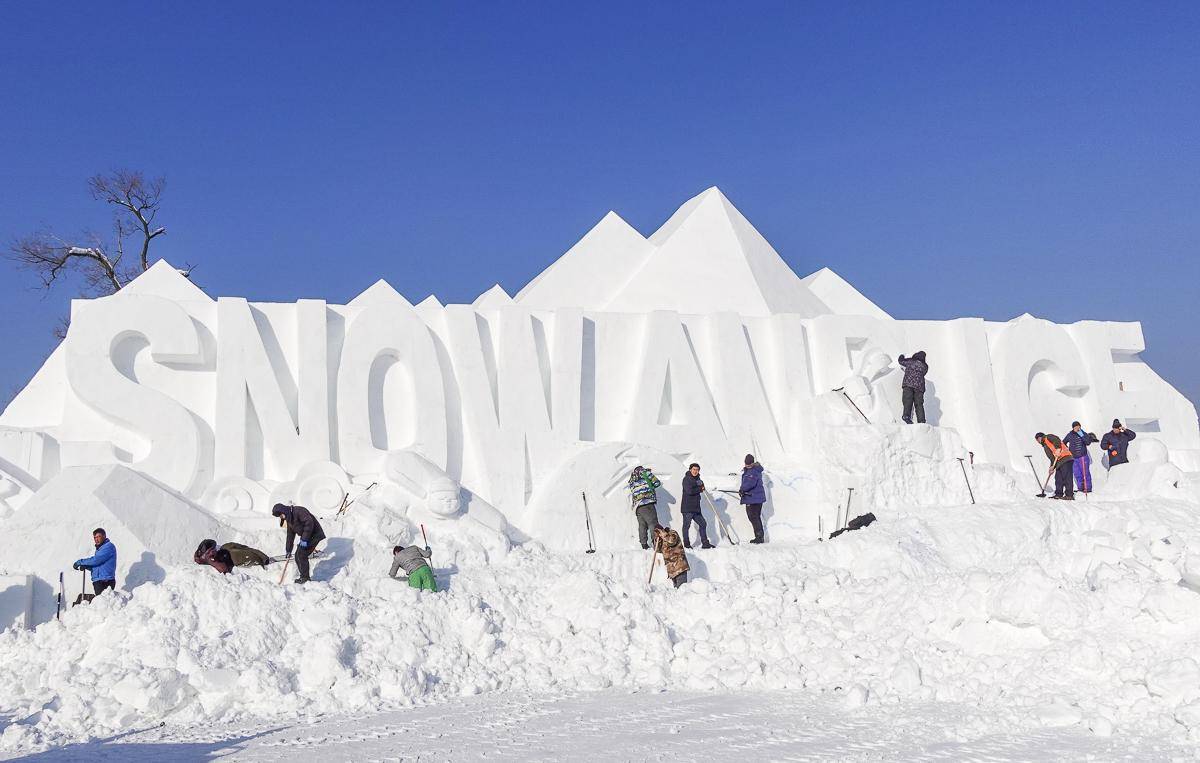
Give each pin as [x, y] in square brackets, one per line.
[613, 725]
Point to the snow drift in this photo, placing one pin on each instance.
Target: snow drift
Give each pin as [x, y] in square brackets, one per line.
[1039, 612]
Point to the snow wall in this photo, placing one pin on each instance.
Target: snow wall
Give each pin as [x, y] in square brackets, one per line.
[695, 344]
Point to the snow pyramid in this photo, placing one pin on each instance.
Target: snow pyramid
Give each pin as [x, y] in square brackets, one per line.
[706, 258]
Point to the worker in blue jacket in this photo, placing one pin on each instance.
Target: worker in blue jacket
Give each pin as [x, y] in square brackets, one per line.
[102, 564]
[1078, 441]
[753, 495]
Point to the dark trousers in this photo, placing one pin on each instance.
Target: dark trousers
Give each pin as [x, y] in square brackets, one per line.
[754, 514]
[914, 399]
[698, 518]
[679, 579]
[302, 561]
[647, 518]
[1063, 483]
[100, 586]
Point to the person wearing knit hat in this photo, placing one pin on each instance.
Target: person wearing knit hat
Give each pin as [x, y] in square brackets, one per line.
[1078, 441]
[1116, 444]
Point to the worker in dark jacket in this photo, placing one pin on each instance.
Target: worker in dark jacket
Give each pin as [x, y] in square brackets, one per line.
[1060, 460]
[753, 495]
[300, 522]
[1116, 444]
[913, 386]
[693, 486]
[1078, 441]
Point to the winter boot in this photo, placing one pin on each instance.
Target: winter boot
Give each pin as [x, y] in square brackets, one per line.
[706, 545]
[302, 581]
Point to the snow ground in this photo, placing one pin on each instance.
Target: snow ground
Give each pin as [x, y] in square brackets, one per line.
[615, 726]
[1026, 629]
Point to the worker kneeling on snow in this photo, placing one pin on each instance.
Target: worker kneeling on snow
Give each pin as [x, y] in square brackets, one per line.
[412, 560]
[668, 543]
[102, 564]
[299, 521]
[209, 553]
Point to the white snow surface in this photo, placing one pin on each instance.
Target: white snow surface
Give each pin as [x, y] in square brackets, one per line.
[1036, 613]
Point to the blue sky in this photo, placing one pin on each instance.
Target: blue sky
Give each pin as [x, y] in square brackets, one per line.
[947, 159]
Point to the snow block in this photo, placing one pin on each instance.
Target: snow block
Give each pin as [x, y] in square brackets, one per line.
[150, 525]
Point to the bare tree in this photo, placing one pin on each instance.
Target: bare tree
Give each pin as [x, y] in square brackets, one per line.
[104, 266]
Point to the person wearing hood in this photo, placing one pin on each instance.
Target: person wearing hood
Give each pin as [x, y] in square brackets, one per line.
[300, 522]
[913, 386]
[1116, 444]
[103, 564]
[753, 494]
[643, 497]
[1078, 441]
[667, 542]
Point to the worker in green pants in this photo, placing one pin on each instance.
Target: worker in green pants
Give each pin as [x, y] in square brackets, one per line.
[412, 559]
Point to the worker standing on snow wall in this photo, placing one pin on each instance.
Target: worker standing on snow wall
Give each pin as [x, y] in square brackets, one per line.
[412, 560]
[753, 494]
[689, 505]
[300, 521]
[1078, 441]
[644, 500]
[1061, 460]
[1116, 444]
[102, 564]
[913, 386]
[667, 541]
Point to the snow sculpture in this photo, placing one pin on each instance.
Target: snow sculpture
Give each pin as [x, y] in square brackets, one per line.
[415, 488]
[696, 343]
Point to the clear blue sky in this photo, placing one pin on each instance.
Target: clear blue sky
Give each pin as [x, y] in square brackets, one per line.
[948, 159]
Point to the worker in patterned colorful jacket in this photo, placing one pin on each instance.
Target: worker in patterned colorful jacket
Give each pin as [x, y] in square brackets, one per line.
[644, 500]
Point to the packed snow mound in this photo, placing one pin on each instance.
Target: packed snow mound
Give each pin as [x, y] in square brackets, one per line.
[1043, 613]
[150, 525]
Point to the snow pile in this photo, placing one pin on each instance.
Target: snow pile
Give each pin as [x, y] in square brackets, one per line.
[152, 527]
[1043, 613]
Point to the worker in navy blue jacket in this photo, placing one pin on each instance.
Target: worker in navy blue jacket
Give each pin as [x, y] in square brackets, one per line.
[1078, 440]
[753, 495]
[103, 564]
[1116, 444]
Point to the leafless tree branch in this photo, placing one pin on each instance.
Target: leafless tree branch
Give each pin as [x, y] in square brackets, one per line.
[101, 265]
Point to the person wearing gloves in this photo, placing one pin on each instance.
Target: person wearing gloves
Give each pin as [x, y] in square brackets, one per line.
[693, 486]
[103, 564]
[300, 522]
[1078, 441]
[753, 495]
[1060, 461]
[412, 559]
[913, 386]
[1116, 444]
